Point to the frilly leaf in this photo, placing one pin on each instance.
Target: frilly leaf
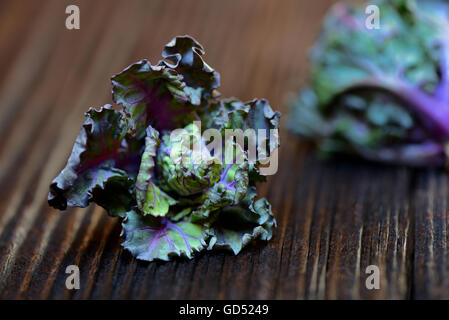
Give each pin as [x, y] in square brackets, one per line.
[153, 95]
[149, 238]
[116, 195]
[100, 156]
[185, 53]
[261, 116]
[238, 225]
[255, 114]
[165, 95]
[150, 198]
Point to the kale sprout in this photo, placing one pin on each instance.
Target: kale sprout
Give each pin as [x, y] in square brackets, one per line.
[150, 163]
[380, 94]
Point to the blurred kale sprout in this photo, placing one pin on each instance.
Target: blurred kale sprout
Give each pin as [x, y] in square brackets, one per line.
[380, 94]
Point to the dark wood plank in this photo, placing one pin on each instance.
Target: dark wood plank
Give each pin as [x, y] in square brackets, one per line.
[431, 254]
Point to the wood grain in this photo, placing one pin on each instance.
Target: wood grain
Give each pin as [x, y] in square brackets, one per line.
[334, 218]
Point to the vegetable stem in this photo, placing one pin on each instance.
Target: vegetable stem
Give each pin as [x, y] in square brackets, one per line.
[433, 113]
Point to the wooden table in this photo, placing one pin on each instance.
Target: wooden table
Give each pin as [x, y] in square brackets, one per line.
[334, 219]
